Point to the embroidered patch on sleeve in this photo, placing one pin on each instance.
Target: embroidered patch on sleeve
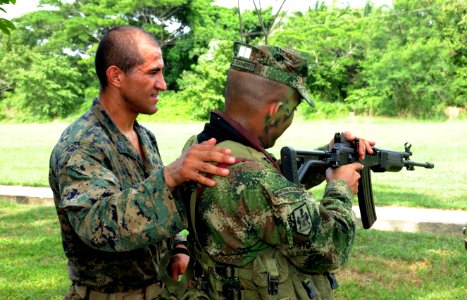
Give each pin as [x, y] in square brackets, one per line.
[302, 219]
[287, 190]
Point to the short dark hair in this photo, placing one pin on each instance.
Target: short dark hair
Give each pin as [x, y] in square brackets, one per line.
[247, 92]
[119, 47]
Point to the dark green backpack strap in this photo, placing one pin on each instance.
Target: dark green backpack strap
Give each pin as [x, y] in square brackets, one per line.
[196, 192]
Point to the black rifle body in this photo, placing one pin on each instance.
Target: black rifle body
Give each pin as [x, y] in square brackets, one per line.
[298, 165]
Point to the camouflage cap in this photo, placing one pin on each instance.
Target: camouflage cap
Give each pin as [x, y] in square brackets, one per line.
[286, 66]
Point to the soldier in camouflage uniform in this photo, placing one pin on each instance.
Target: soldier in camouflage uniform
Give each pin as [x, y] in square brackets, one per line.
[257, 235]
[112, 193]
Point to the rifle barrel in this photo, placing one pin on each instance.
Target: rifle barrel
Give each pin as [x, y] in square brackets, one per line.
[426, 165]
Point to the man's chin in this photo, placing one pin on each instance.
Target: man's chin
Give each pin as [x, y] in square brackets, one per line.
[153, 109]
[150, 111]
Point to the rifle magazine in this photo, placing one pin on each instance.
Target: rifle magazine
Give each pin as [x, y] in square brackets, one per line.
[365, 199]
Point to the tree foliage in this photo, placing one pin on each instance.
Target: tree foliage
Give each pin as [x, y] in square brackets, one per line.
[408, 59]
[203, 86]
[409, 70]
[6, 25]
[384, 61]
[44, 89]
[334, 40]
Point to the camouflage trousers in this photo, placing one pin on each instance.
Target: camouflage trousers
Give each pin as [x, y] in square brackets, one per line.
[150, 292]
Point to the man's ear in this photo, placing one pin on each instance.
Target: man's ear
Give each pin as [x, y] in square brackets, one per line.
[114, 76]
[272, 110]
[274, 107]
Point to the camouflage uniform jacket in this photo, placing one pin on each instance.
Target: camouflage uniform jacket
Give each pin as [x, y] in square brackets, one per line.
[255, 208]
[115, 211]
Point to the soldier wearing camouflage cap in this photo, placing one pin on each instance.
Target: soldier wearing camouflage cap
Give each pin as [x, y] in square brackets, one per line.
[112, 193]
[257, 235]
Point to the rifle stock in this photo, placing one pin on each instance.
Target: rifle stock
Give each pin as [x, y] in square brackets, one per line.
[298, 165]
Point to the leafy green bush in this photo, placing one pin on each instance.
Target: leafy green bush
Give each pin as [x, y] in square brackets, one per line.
[45, 86]
[364, 102]
[408, 80]
[203, 86]
[172, 108]
[322, 110]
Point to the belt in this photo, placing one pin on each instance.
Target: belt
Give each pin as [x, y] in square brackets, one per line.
[149, 292]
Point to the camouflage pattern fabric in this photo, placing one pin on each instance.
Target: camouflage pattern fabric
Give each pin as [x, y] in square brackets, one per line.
[115, 210]
[255, 208]
[287, 66]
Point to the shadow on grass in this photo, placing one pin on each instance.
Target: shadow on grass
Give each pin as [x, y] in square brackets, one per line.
[28, 219]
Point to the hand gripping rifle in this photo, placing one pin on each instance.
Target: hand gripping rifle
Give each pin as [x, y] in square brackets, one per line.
[298, 165]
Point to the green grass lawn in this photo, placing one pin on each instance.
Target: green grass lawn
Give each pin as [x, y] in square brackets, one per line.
[383, 265]
[32, 264]
[25, 150]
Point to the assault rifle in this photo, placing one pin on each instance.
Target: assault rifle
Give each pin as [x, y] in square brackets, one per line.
[298, 165]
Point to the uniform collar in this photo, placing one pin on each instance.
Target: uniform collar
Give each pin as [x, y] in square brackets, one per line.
[222, 127]
[123, 145]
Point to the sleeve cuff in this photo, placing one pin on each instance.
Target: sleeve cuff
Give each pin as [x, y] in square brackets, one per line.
[339, 189]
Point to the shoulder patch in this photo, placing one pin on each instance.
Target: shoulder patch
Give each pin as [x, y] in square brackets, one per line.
[302, 219]
[287, 190]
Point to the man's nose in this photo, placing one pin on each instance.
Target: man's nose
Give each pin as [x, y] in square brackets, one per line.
[160, 84]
